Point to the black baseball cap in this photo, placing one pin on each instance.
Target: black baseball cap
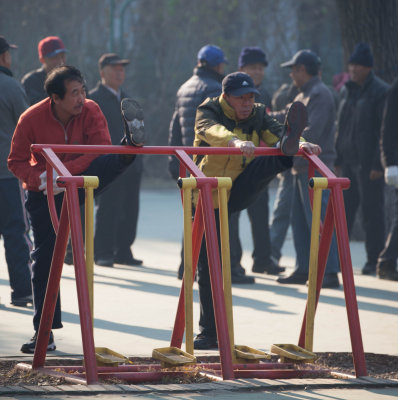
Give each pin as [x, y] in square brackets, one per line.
[303, 57]
[238, 83]
[111, 59]
[4, 45]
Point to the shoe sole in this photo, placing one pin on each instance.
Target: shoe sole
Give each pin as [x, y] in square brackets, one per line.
[51, 347]
[133, 117]
[295, 122]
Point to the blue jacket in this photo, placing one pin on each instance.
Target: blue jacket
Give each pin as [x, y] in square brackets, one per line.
[203, 83]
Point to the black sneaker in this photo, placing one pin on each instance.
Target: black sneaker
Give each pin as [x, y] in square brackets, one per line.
[23, 301]
[295, 122]
[270, 268]
[369, 269]
[296, 278]
[29, 347]
[133, 117]
[204, 342]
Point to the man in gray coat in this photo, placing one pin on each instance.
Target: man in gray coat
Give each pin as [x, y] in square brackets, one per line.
[13, 225]
[315, 95]
[117, 211]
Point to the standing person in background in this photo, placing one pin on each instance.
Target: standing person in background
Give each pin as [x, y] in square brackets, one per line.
[358, 151]
[13, 222]
[252, 61]
[387, 261]
[281, 213]
[117, 211]
[52, 53]
[205, 82]
[320, 129]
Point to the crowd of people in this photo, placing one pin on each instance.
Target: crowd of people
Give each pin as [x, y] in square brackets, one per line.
[351, 129]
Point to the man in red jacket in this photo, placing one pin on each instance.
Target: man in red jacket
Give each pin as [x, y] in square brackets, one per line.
[65, 117]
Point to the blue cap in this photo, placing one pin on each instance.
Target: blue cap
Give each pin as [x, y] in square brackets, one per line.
[362, 55]
[238, 83]
[212, 55]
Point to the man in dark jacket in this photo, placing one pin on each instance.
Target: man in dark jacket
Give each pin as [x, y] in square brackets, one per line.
[316, 96]
[52, 53]
[387, 261]
[13, 225]
[205, 82]
[252, 61]
[117, 212]
[358, 155]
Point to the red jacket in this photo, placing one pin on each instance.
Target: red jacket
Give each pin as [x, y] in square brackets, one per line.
[38, 125]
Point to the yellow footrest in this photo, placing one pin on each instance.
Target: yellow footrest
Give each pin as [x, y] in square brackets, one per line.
[246, 354]
[291, 352]
[173, 357]
[109, 358]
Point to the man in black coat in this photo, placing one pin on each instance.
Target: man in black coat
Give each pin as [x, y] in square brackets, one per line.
[358, 155]
[117, 212]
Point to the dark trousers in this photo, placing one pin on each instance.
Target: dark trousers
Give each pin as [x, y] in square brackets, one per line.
[117, 215]
[258, 213]
[106, 167]
[14, 229]
[368, 195]
[245, 190]
[390, 251]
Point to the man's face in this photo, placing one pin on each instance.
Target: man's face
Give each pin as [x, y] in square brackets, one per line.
[242, 105]
[73, 101]
[255, 71]
[113, 76]
[358, 73]
[297, 73]
[6, 59]
[52, 62]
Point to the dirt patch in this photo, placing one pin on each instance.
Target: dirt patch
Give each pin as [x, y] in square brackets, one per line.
[378, 365]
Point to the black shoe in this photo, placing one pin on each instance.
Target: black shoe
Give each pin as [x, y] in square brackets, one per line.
[68, 258]
[104, 262]
[22, 301]
[133, 117]
[295, 122]
[128, 261]
[242, 279]
[204, 342]
[270, 269]
[331, 281]
[237, 269]
[295, 278]
[29, 347]
[369, 269]
[387, 270]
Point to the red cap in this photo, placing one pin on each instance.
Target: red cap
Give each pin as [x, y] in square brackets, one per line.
[50, 47]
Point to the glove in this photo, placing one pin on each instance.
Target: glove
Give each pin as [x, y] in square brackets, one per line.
[43, 185]
[391, 175]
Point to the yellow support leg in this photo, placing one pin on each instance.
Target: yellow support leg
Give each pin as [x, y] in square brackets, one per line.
[318, 185]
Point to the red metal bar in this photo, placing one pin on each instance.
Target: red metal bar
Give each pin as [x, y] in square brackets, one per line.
[348, 282]
[197, 237]
[213, 258]
[52, 290]
[81, 284]
[324, 248]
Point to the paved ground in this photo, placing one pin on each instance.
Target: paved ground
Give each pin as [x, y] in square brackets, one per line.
[135, 306]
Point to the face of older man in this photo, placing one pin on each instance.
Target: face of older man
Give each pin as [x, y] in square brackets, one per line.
[242, 105]
[113, 76]
[255, 71]
[358, 73]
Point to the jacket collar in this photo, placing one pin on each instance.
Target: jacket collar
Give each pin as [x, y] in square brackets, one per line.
[208, 72]
[307, 87]
[352, 85]
[5, 70]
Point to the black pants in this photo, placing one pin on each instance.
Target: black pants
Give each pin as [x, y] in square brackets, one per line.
[369, 196]
[106, 167]
[390, 251]
[117, 215]
[17, 245]
[245, 190]
[258, 213]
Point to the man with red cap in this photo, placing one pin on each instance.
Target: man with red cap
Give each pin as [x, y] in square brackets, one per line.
[51, 51]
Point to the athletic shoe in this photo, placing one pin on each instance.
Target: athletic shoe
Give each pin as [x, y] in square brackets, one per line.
[29, 347]
[133, 117]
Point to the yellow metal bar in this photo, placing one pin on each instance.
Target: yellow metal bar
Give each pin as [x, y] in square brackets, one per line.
[187, 185]
[90, 183]
[223, 185]
[318, 185]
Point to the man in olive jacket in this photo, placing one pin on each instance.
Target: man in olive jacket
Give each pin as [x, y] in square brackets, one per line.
[235, 120]
[358, 154]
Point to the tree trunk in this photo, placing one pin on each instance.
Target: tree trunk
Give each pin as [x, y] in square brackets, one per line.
[374, 22]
